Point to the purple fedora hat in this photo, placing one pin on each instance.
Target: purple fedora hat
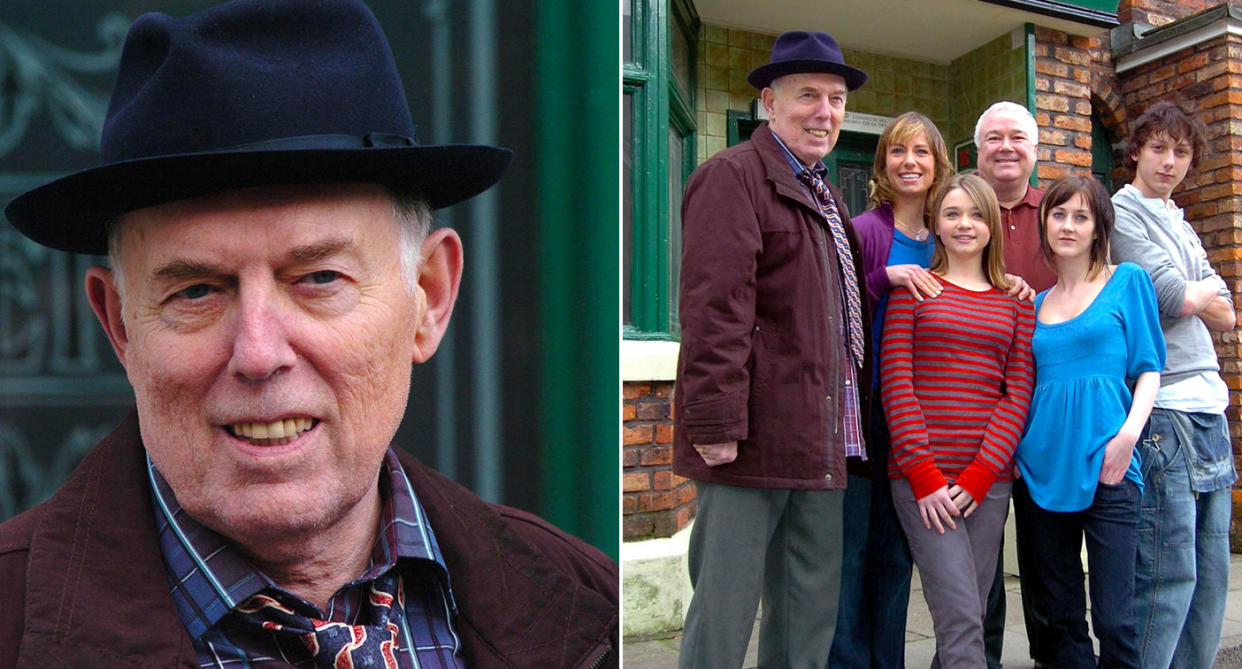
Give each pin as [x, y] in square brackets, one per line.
[251, 93]
[799, 51]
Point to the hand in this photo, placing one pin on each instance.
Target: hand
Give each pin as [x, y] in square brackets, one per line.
[717, 454]
[1117, 458]
[1019, 288]
[938, 509]
[917, 280]
[962, 500]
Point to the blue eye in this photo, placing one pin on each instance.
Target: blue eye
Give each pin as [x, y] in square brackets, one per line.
[197, 291]
[324, 276]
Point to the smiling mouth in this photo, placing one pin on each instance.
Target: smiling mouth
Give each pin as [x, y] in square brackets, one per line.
[816, 132]
[275, 433]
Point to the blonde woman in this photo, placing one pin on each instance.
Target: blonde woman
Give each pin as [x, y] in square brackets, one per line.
[911, 166]
[956, 376]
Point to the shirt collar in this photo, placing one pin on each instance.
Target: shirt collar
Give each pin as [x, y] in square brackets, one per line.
[796, 165]
[1156, 204]
[209, 575]
[1030, 198]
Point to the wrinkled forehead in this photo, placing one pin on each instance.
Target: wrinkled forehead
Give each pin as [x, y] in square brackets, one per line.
[819, 81]
[251, 222]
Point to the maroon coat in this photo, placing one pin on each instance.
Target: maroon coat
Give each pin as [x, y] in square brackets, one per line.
[82, 583]
[763, 353]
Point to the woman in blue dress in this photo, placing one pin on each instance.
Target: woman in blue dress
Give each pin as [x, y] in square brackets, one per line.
[1097, 336]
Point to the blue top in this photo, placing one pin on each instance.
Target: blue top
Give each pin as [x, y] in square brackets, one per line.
[1081, 398]
[904, 251]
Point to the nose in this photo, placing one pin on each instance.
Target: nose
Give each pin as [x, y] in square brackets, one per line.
[261, 348]
[824, 108]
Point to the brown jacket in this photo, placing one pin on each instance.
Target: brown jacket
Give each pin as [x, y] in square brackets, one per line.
[82, 583]
[763, 352]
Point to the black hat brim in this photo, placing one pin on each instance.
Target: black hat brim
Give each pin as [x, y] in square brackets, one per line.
[761, 77]
[71, 213]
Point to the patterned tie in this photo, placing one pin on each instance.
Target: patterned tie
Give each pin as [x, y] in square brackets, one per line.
[338, 645]
[853, 305]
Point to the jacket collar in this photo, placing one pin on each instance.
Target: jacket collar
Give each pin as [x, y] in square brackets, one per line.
[85, 608]
[778, 171]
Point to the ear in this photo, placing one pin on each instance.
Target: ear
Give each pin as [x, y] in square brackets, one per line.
[768, 96]
[438, 281]
[106, 303]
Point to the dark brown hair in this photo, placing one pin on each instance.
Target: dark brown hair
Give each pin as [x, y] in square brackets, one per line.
[1166, 117]
[1098, 203]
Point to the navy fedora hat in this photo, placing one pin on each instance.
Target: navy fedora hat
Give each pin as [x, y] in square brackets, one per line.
[251, 93]
[798, 51]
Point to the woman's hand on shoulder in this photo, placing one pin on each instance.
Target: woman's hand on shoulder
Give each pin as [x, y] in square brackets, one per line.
[917, 280]
[938, 510]
[1019, 288]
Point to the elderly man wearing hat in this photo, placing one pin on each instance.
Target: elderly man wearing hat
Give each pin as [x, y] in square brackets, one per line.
[275, 278]
[772, 355]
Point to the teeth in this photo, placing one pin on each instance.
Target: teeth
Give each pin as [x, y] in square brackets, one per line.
[281, 429]
[818, 133]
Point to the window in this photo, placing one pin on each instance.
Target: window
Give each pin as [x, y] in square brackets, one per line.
[659, 47]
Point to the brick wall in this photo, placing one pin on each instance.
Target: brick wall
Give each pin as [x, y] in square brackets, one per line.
[1207, 80]
[655, 502]
[1063, 103]
[1160, 12]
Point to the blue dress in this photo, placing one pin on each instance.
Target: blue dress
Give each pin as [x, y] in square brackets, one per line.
[1081, 398]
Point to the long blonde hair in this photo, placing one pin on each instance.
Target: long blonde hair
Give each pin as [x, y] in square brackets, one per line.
[900, 131]
[984, 198]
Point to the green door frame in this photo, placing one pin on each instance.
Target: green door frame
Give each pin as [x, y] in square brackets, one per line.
[579, 389]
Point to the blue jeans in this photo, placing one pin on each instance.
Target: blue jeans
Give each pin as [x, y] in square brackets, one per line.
[1183, 552]
[876, 569]
[1111, 528]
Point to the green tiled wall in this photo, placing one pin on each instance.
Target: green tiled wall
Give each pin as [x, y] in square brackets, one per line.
[952, 95]
[898, 85]
[994, 71]
[727, 55]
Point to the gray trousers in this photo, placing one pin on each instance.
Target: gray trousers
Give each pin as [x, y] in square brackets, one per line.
[782, 544]
[956, 569]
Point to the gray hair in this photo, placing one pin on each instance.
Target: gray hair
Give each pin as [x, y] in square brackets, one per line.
[410, 211]
[1027, 121]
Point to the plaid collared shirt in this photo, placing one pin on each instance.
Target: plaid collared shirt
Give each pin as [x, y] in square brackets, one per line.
[209, 577]
[851, 420]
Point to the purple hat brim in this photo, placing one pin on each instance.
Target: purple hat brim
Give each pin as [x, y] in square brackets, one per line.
[761, 77]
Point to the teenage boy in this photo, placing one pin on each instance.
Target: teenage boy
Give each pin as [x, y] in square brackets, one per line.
[1183, 560]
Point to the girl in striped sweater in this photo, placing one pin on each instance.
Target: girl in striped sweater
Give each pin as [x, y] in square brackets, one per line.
[956, 376]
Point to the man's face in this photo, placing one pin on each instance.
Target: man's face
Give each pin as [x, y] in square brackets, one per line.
[269, 336]
[1161, 164]
[1007, 154]
[806, 111]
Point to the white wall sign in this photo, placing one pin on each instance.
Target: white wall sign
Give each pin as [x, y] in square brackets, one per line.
[867, 124]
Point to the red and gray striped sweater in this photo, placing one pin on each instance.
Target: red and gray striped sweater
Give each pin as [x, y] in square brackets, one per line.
[956, 375]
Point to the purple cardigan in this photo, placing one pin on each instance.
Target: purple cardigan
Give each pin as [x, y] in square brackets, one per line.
[875, 232]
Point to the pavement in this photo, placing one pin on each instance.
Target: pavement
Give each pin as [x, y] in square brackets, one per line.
[921, 645]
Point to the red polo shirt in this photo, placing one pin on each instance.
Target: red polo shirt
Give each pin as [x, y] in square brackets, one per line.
[1022, 253]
